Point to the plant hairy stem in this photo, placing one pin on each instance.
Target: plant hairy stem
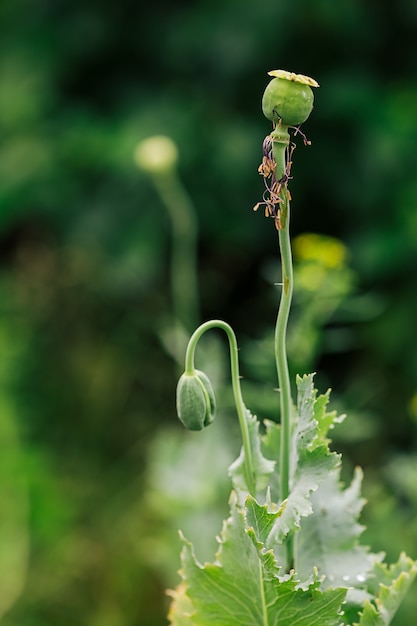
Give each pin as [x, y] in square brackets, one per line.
[281, 142]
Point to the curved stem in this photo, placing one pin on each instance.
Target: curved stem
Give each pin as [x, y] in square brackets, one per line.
[281, 141]
[184, 283]
[237, 392]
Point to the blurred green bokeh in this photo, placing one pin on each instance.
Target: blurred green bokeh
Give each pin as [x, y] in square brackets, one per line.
[90, 328]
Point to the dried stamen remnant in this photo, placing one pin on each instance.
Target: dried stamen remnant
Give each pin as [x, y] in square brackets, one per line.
[267, 167]
[272, 196]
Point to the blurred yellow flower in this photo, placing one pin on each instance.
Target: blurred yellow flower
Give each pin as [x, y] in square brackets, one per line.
[413, 407]
[326, 251]
[311, 277]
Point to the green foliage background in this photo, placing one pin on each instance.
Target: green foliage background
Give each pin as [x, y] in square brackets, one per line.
[86, 386]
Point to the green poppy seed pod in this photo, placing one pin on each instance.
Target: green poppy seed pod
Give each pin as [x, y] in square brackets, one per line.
[196, 403]
[288, 98]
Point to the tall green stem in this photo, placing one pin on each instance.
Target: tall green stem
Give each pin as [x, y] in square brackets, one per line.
[237, 392]
[281, 142]
[184, 285]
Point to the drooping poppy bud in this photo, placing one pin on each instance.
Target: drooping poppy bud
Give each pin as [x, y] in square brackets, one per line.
[196, 403]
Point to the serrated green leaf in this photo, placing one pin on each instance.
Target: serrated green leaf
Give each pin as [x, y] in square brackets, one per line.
[244, 587]
[261, 519]
[389, 585]
[314, 421]
[181, 609]
[312, 469]
[263, 467]
[326, 421]
[311, 459]
[329, 538]
[384, 574]
[306, 426]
